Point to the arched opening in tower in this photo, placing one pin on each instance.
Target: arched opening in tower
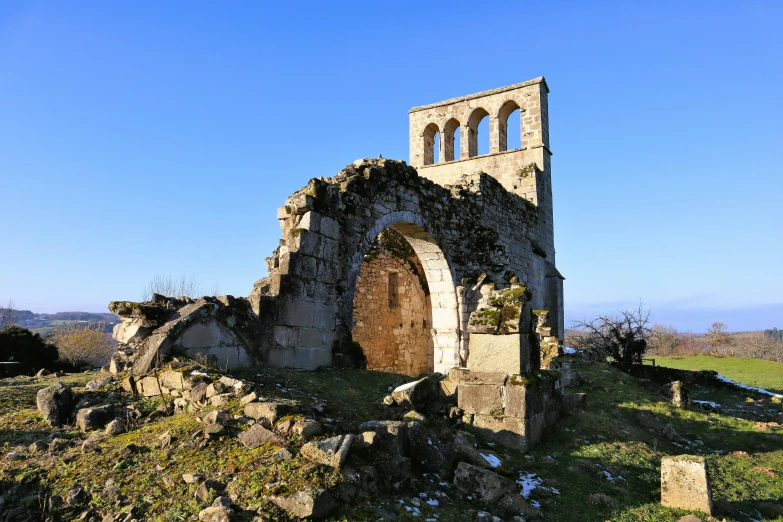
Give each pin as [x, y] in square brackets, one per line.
[392, 312]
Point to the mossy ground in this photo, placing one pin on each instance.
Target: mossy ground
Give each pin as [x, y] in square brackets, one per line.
[574, 461]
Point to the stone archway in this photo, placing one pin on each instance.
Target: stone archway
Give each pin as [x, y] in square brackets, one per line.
[438, 311]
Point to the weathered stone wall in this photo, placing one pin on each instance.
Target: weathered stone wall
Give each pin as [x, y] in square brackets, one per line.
[459, 232]
[483, 224]
[393, 338]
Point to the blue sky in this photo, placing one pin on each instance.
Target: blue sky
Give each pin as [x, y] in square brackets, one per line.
[160, 137]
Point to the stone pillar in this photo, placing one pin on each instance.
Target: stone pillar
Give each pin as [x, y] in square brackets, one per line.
[494, 134]
[684, 483]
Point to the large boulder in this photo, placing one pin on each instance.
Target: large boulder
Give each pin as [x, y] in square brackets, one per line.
[427, 451]
[315, 504]
[331, 452]
[484, 485]
[417, 395]
[392, 435]
[55, 403]
[96, 417]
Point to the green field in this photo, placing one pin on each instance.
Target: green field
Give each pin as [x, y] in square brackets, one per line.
[751, 372]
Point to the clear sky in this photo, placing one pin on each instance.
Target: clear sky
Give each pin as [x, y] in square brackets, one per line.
[143, 138]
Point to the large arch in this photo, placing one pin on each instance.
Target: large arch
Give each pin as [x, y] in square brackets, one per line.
[431, 131]
[504, 113]
[450, 132]
[473, 123]
[445, 328]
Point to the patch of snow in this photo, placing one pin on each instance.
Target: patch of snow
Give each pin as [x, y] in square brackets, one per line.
[708, 403]
[329, 419]
[528, 482]
[569, 351]
[492, 460]
[413, 511]
[407, 386]
[536, 504]
[422, 495]
[608, 476]
[444, 484]
[433, 502]
[196, 372]
[555, 491]
[751, 388]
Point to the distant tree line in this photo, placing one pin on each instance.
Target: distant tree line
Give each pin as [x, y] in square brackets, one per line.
[767, 344]
[775, 334]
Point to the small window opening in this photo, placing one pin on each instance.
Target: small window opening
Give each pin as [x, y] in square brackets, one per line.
[394, 295]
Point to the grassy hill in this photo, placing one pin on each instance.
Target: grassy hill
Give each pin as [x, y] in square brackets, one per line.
[752, 372]
[600, 463]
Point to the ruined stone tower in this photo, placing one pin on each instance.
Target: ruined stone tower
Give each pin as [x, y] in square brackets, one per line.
[522, 168]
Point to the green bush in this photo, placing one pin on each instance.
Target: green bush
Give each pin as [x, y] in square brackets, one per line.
[29, 349]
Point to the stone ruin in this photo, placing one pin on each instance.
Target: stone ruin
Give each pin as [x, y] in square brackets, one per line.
[445, 267]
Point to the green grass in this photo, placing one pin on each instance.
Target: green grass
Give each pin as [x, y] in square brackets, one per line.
[605, 436]
[752, 372]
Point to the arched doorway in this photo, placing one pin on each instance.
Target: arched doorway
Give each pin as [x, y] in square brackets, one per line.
[392, 312]
[404, 303]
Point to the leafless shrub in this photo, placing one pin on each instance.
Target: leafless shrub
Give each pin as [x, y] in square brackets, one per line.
[622, 337]
[185, 286]
[664, 339]
[81, 344]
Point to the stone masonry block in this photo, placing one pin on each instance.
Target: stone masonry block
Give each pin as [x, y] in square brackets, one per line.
[483, 399]
[465, 376]
[508, 431]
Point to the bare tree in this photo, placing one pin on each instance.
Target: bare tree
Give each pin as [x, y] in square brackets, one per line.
[622, 337]
[664, 339]
[185, 286]
[718, 336]
[8, 314]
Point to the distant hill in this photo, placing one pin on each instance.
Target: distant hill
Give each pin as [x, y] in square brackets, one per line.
[82, 316]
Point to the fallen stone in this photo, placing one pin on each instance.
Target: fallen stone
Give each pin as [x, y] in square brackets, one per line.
[316, 504]
[216, 388]
[198, 393]
[207, 490]
[427, 451]
[282, 454]
[215, 514]
[217, 417]
[89, 446]
[55, 403]
[58, 444]
[484, 485]
[417, 395]
[391, 433]
[306, 429]
[192, 478]
[115, 427]
[172, 379]
[76, 496]
[148, 387]
[220, 400]
[266, 412]
[331, 452]
[250, 397]
[684, 483]
[256, 437]
[88, 419]
[38, 446]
